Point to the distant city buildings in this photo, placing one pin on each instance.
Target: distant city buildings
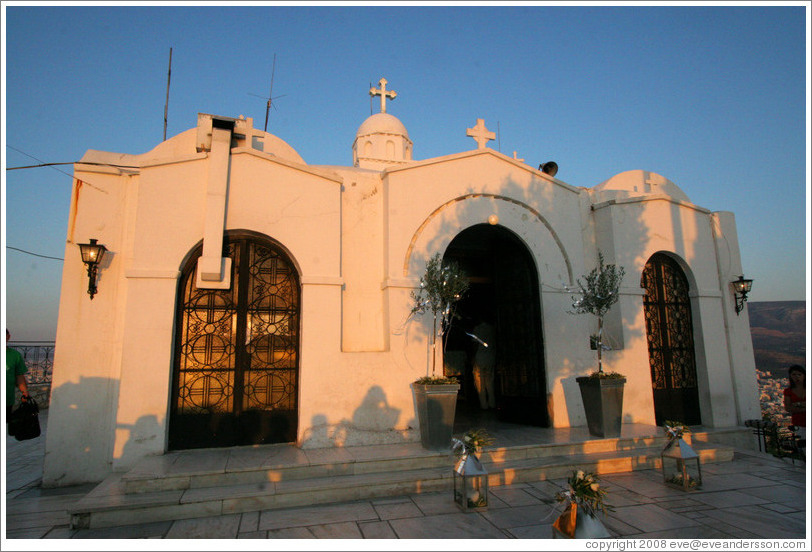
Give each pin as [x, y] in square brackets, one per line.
[771, 392]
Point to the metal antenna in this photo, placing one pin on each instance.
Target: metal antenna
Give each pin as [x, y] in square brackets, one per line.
[499, 136]
[270, 93]
[270, 97]
[168, 77]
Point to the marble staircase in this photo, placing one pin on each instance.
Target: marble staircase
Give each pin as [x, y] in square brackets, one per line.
[199, 483]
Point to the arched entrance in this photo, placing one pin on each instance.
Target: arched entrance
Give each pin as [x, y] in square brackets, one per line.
[235, 374]
[669, 329]
[504, 292]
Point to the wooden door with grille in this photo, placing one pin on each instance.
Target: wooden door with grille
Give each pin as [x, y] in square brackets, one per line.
[521, 386]
[504, 286]
[236, 366]
[669, 329]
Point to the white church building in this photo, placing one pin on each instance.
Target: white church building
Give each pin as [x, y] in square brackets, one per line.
[248, 297]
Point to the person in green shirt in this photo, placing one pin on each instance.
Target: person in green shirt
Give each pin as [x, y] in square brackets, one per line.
[15, 376]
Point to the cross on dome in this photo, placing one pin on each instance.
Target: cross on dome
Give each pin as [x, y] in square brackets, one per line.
[481, 134]
[383, 93]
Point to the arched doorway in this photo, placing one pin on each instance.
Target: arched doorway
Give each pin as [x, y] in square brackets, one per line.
[236, 365]
[504, 290]
[669, 329]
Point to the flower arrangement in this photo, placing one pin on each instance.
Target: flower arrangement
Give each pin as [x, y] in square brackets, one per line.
[597, 292]
[585, 491]
[677, 480]
[472, 442]
[478, 501]
[441, 286]
[675, 430]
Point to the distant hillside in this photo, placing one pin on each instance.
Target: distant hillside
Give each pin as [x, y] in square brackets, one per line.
[778, 329]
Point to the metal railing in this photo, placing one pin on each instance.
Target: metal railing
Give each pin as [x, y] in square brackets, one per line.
[39, 359]
[777, 440]
[764, 430]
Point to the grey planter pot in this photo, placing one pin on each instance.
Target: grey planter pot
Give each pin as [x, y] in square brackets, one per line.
[435, 406]
[603, 404]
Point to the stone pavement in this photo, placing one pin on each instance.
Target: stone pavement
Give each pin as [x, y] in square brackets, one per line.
[756, 496]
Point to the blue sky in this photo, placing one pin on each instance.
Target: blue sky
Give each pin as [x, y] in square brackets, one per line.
[712, 98]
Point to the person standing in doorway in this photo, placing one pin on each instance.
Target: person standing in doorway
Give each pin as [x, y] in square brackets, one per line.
[15, 376]
[485, 364]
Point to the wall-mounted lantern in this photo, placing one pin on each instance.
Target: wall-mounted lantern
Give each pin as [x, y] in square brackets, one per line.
[741, 288]
[92, 254]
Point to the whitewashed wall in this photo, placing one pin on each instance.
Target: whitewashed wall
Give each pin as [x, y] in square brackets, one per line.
[360, 239]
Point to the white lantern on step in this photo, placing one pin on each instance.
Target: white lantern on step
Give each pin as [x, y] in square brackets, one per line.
[470, 484]
[680, 465]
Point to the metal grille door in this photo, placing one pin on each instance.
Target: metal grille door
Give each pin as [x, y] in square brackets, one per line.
[236, 357]
[669, 329]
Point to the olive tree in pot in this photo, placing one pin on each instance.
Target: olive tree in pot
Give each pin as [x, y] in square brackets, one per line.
[601, 392]
[441, 286]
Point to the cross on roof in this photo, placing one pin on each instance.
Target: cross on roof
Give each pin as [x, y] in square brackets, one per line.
[383, 93]
[481, 134]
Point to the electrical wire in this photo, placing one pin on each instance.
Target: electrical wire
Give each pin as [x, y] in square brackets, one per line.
[35, 158]
[34, 254]
[44, 164]
[72, 163]
[35, 166]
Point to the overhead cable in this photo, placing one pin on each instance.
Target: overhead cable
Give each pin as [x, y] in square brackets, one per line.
[34, 254]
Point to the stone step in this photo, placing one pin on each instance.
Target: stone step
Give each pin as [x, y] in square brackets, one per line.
[275, 463]
[256, 465]
[111, 505]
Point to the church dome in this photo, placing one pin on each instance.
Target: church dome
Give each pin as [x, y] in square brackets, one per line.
[638, 183]
[382, 123]
[381, 143]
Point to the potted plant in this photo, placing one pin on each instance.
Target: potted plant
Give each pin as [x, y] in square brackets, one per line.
[601, 392]
[585, 498]
[440, 287]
